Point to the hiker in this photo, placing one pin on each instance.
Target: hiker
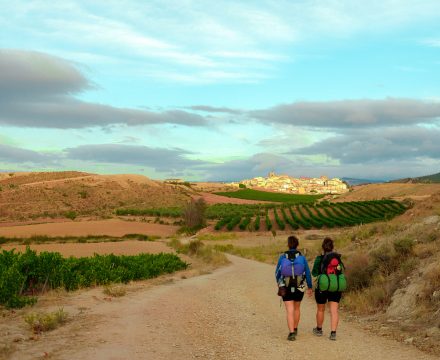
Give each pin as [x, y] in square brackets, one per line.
[328, 265]
[291, 273]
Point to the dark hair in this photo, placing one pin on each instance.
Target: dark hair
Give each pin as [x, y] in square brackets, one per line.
[292, 242]
[327, 245]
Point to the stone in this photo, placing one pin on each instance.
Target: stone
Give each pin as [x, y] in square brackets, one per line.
[409, 341]
[434, 219]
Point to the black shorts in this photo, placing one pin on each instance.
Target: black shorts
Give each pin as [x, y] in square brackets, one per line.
[296, 295]
[322, 297]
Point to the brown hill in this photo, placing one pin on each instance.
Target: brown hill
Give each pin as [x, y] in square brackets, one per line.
[25, 196]
[390, 190]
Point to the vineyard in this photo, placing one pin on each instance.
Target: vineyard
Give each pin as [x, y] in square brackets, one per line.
[289, 215]
[29, 273]
[304, 216]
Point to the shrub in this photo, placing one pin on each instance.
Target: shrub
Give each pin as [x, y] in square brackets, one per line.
[404, 246]
[70, 215]
[385, 259]
[242, 186]
[194, 213]
[268, 222]
[197, 249]
[234, 221]
[46, 321]
[83, 194]
[257, 223]
[245, 223]
[114, 291]
[359, 272]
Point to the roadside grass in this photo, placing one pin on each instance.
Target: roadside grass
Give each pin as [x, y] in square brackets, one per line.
[217, 236]
[40, 239]
[381, 258]
[198, 249]
[42, 322]
[265, 253]
[115, 290]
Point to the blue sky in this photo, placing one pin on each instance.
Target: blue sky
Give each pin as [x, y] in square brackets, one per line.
[221, 90]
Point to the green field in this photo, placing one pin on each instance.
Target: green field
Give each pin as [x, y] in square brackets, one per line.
[249, 194]
[29, 273]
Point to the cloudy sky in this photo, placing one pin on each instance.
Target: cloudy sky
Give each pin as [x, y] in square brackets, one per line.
[221, 90]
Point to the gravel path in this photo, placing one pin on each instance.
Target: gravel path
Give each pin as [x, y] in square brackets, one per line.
[232, 313]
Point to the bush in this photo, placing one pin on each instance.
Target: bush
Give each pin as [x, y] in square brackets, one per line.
[359, 272]
[114, 291]
[404, 246]
[385, 259]
[83, 194]
[194, 213]
[197, 249]
[242, 186]
[45, 322]
[70, 215]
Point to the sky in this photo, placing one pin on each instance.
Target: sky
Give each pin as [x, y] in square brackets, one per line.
[221, 91]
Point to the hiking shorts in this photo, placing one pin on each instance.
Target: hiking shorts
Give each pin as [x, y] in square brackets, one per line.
[293, 296]
[322, 297]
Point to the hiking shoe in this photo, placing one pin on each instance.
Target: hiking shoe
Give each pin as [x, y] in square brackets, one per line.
[291, 336]
[317, 332]
[332, 336]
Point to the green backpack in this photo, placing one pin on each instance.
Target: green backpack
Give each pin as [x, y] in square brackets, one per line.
[332, 277]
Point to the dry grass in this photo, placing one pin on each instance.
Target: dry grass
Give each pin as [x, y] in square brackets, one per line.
[115, 290]
[5, 351]
[197, 249]
[41, 322]
[367, 301]
[217, 236]
[265, 253]
[431, 291]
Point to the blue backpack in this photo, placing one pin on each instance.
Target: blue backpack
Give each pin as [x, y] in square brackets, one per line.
[291, 265]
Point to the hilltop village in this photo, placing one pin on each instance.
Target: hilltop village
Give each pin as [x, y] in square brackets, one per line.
[302, 185]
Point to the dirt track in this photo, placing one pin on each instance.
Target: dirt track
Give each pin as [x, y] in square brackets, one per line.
[232, 313]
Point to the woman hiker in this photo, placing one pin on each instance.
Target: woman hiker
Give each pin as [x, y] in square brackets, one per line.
[333, 264]
[291, 273]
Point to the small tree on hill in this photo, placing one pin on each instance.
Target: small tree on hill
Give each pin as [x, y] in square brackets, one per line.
[194, 213]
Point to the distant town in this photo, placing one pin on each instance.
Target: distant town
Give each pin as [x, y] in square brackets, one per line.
[302, 185]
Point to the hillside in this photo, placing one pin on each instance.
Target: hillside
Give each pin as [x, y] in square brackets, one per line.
[390, 190]
[428, 179]
[395, 274]
[27, 196]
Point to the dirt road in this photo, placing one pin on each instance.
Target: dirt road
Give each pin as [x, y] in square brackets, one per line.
[232, 313]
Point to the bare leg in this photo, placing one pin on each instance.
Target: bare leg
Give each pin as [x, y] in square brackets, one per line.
[290, 314]
[320, 315]
[334, 315]
[297, 313]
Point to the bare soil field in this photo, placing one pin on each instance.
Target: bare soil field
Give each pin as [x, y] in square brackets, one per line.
[212, 186]
[111, 227]
[392, 190]
[232, 313]
[129, 247]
